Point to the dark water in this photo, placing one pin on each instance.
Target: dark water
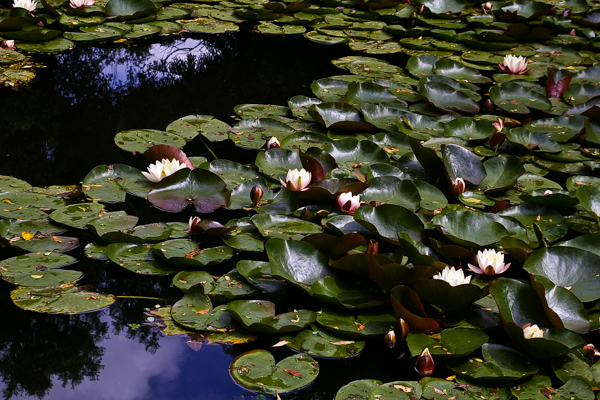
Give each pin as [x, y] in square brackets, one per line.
[64, 126]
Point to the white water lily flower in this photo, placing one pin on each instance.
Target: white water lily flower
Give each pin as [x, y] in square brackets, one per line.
[8, 44]
[490, 262]
[162, 169]
[348, 203]
[514, 65]
[453, 276]
[297, 181]
[532, 331]
[29, 5]
[81, 4]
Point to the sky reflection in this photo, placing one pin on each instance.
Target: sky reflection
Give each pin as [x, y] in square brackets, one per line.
[174, 371]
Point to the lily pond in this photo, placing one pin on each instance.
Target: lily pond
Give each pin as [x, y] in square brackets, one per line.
[337, 199]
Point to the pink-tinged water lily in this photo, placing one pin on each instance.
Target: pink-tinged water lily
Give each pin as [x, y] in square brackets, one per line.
[297, 181]
[29, 5]
[8, 44]
[489, 262]
[453, 276]
[532, 331]
[273, 143]
[514, 65]
[348, 203]
[457, 187]
[81, 4]
[162, 169]
[498, 137]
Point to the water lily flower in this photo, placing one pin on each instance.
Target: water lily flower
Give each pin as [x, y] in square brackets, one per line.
[8, 44]
[273, 143]
[81, 4]
[162, 169]
[453, 276]
[532, 331]
[457, 186]
[29, 5]
[297, 181]
[425, 365]
[490, 262]
[348, 203]
[591, 351]
[514, 65]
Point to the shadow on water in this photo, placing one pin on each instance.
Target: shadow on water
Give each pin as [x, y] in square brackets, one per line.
[64, 126]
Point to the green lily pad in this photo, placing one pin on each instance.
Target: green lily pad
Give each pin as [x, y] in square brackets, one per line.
[338, 115]
[77, 215]
[348, 293]
[514, 98]
[137, 258]
[582, 277]
[202, 188]
[25, 205]
[451, 343]
[190, 126]
[194, 311]
[258, 273]
[140, 140]
[254, 133]
[469, 228]
[357, 390]
[500, 363]
[187, 253]
[284, 227]
[365, 325]
[38, 270]
[259, 316]
[65, 299]
[388, 219]
[298, 263]
[256, 371]
[111, 183]
[435, 388]
[578, 366]
[318, 342]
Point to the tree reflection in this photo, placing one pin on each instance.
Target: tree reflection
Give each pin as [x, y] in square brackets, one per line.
[35, 348]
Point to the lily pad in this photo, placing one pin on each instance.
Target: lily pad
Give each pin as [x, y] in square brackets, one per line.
[66, 299]
[259, 316]
[256, 371]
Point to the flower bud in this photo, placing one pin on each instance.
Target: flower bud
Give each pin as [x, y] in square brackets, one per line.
[193, 227]
[567, 13]
[497, 139]
[488, 105]
[402, 329]
[273, 143]
[305, 214]
[457, 187]
[256, 194]
[372, 247]
[425, 365]
[390, 338]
